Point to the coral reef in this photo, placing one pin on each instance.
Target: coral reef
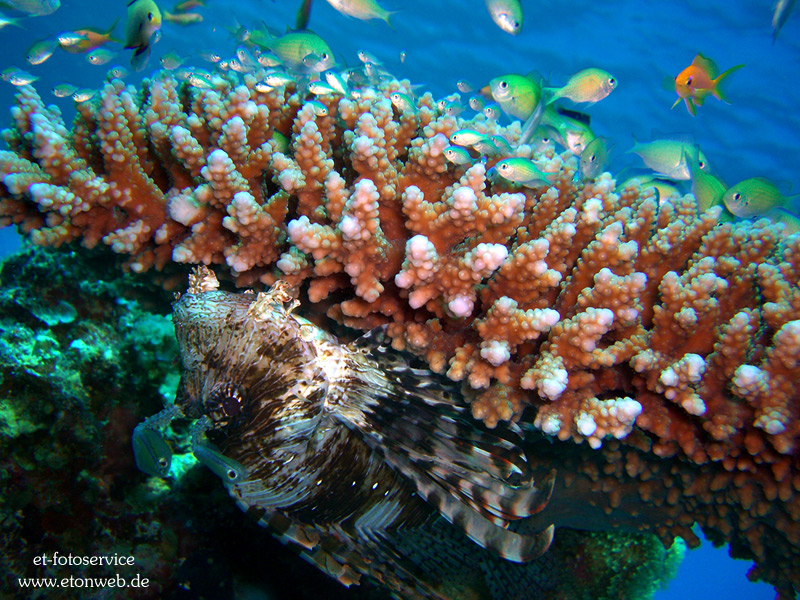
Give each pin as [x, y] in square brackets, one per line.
[85, 354]
[668, 341]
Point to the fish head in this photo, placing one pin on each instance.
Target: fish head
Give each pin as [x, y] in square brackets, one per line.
[251, 370]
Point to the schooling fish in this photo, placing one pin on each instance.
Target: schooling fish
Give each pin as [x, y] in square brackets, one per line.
[700, 80]
[589, 85]
[594, 158]
[34, 8]
[753, 197]
[88, 38]
[41, 51]
[783, 8]
[507, 15]
[362, 463]
[362, 9]
[299, 50]
[142, 30]
[668, 156]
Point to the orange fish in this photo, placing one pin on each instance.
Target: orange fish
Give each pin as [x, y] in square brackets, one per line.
[699, 80]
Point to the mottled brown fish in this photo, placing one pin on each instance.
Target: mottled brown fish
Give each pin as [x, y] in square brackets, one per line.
[366, 465]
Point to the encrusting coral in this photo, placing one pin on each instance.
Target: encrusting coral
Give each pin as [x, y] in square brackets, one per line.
[613, 315]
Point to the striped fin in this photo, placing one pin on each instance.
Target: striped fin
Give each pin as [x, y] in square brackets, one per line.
[478, 479]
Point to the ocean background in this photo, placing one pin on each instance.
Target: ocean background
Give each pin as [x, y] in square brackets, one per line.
[445, 41]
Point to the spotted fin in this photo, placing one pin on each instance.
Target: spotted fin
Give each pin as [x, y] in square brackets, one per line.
[478, 479]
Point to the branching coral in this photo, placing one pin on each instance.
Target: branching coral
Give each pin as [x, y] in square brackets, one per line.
[611, 315]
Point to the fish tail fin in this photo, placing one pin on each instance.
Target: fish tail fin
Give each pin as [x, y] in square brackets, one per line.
[718, 89]
[387, 18]
[110, 29]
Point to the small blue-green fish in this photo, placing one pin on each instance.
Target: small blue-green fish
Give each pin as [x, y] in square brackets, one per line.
[4, 20]
[492, 111]
[320, 110]
[571, 133]
[664, 188]
[117, 72]
[507, 15]
[151, 453]
[294, 47]
[589, 85]
[142, 30]
[34, 8]
[501, 144]
[187, 5]
[486, 147]
[184, 19]
[790, 221]
[265, 59]
[783, 8]
[521, 170]
[16, 76]
[239, 32]
[476, 103]
[464, 86]
[518, 95]
[594, 158]
[212, 57]
[83, 94]
[753, 197]
[100, 56]
[368, 57]
[708, 189]
[452, 108]
[278, 79]
[41, 51]
[199, 79]
[403, 102]
[321, 88]
[466, 137]
[62, 90]
[402, 56]
[362, 9]
[71, 39]
[458, 155]
[223, 467]
[337, 82]
[171, 61]
[669, 156]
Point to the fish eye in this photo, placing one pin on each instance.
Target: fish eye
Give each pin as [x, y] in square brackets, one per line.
[593, 158]
[612, 82]
[503, 85]
[149, 16]
[689, 80]
[162, 462]
[324, 56]
[737, 196]
[701, 164]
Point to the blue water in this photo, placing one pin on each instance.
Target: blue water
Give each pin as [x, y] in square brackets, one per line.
[444, 41]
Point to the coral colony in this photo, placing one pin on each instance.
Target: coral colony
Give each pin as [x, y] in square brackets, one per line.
[664, 342]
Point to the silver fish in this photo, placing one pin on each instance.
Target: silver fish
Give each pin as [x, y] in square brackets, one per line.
[346, 451]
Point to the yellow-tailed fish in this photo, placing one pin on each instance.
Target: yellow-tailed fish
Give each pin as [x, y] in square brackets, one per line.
[294, 47]
[753, 197]
[594, 158]
[790, 221]
[669, 157]
[589, 85]
[362, 9]
[34, 8]
[142, 29]
[700, 80]
[187, 18]
[521, 170]
[507, 14]
[87, 39]
[41, 51]
[783, 8]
